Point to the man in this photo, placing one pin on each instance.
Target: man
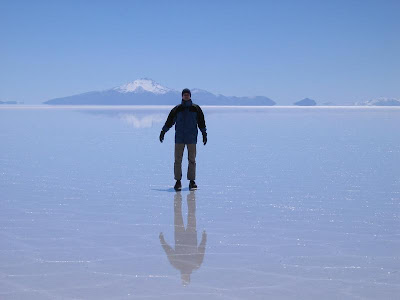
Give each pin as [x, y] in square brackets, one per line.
[187, 116]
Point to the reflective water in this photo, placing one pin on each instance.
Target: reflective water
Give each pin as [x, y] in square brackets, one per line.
[293, 203]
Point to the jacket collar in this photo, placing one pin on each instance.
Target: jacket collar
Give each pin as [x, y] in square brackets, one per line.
[187, 103]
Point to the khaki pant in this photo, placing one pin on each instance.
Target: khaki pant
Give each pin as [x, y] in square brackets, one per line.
[191, 149]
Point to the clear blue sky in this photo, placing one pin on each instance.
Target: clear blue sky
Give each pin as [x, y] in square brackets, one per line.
[287, 50]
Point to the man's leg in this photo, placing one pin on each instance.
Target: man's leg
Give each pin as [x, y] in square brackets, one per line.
[178, 161]
[191, 173]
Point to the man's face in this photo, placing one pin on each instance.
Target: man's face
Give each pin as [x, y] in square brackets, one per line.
[186, 96]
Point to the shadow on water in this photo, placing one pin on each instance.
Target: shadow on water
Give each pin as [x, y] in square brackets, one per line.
[187, 255]
[170, 189]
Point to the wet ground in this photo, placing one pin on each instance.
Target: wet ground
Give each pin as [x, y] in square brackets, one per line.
[293, 203]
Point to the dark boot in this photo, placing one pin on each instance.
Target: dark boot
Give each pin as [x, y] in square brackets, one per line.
[178, 185]
[192, 185]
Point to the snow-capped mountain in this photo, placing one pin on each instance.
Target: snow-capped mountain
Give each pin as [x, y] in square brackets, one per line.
[381, 101]
[145, 91]
[143, 85]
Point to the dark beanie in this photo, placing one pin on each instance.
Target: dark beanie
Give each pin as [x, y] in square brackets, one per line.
[186, 91]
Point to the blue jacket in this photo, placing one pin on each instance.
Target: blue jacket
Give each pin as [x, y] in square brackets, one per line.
[186, 117]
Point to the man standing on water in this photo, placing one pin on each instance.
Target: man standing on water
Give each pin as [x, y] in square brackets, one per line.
[187, 117]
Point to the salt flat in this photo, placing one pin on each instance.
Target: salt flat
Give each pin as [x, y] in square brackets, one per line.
[293, 203]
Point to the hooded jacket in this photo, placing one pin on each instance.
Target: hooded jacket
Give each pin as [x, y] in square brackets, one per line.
[186, 116]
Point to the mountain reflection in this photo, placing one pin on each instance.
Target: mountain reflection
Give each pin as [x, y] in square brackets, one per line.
[136, 118]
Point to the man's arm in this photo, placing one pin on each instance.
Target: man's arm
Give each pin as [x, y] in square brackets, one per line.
[170, 120]
[201, 123]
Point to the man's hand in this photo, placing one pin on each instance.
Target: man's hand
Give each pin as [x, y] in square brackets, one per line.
[162, 133]
[204, 138]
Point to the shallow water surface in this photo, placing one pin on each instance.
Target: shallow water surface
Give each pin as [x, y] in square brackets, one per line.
[293, 203]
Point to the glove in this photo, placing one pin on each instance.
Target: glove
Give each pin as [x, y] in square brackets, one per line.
[204, 138]
[162, 133]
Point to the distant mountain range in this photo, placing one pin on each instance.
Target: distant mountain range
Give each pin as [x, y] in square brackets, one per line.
[146, 91]
[380, 102]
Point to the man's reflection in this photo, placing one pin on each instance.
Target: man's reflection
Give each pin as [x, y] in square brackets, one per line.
[187, 256]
